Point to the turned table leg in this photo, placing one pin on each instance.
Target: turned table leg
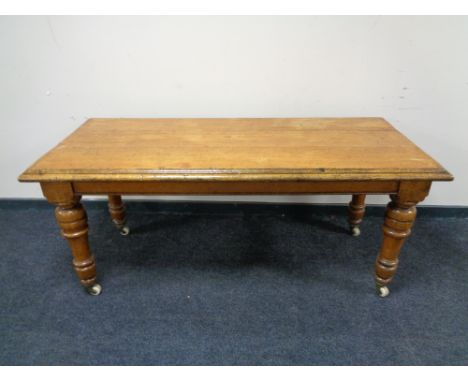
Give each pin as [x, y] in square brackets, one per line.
[73, 223]
[72, 220]
[117, 212]
[356, 211]
[399, 218]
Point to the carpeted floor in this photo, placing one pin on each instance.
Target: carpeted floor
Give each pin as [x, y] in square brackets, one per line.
[226, 284]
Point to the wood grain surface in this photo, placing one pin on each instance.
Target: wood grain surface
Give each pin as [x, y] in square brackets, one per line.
[254, 149]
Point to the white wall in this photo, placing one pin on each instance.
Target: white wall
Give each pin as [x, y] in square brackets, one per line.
[55, 72]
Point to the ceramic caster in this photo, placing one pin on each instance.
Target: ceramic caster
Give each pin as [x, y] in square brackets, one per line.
[383, 291]
[355, 231]
[124, 231]
[94, 290]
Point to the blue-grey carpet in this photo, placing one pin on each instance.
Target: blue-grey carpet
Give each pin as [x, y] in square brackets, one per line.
[199, 284]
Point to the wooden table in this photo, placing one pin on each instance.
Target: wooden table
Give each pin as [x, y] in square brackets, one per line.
[356, 156]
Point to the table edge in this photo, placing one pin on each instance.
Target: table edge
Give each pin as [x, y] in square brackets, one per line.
[240, 175]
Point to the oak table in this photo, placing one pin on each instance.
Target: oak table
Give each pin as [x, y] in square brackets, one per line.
[356, 156]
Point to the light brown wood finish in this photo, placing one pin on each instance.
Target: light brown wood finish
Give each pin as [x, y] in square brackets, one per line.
[235, 149]
[356, 156]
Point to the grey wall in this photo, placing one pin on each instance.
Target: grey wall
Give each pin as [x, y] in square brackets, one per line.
[57, 71]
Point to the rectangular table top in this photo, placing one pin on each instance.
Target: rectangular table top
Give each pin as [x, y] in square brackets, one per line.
[105, 149]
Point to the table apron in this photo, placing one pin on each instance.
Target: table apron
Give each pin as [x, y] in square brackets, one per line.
[235, 187]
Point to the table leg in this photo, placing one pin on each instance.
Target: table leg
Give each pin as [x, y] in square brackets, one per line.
[117, 212]
[399, 218]
[356, 211]
[73, 223]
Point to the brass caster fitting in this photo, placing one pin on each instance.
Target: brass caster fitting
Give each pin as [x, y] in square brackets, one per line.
[124, 231]
[355, 230]
[94, 290]
[383, 291]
